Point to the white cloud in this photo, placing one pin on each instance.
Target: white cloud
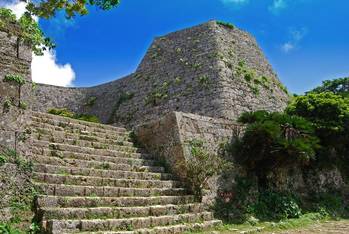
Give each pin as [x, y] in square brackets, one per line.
[287, 47]
[18, 8]
[45, 69]
[277, 6]
[296, 36]
[235, 1]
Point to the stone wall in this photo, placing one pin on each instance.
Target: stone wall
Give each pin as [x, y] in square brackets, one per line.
[169, 139]
[210, 70]
[15, 59]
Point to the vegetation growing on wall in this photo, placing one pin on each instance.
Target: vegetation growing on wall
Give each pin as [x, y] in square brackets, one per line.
[11, 156]
[91, 101]
[124, 97]
[201, 166]
[314, 128]
[19, 81]
[310, 134]
[254, 81]
[69, 114]
[226, 24]
[28, 29]
[158, 94]
[21, 203]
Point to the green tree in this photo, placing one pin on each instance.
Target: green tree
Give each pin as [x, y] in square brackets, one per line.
[28, 29]
[337, 86]
[48, 8]
[329, 114]
[274, 140]
[325, 109]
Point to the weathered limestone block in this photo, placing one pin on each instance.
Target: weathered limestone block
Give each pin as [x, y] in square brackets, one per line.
[195, 70]
[15, 187]
[15, 59]
[169, 137]
[162, 137]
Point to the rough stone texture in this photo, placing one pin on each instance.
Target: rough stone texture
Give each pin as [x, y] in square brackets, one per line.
[193, 70]
[169, 137]
[15, 187]
[67, 153]
[15, 58]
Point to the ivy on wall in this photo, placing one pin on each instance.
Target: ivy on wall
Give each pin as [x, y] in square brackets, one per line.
[19, 81]
[254, 81]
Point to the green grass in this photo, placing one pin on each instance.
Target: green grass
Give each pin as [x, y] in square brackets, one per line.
[288, 224]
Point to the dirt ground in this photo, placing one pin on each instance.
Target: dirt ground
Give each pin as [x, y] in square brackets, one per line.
[329, 227]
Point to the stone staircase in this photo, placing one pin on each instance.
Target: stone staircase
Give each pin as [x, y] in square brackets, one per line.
[92, 179]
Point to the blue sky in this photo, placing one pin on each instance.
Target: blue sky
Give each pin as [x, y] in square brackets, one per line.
[306, 41]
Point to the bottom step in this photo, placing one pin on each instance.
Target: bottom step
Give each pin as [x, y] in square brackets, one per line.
[174, 229]
[130, 224]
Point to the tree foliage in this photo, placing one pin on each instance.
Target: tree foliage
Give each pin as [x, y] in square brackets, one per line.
[325, 110]
[274, 140]
[329, 113]
[48, 8]
[313, 130]
[337, 86]
[28, 29]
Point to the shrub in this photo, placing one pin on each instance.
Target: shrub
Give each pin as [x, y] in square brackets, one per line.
[201, 166]
[274, 205]
[62, 112]
[69, 114]
[273, 140]
[11, 156]
[234, 206]
[19, 80]
[331, 204]
[226, 24]
[91, 101]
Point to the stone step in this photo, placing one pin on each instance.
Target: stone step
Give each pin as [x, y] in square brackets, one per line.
[91, 164]
[70, 138]
[69, 201]
[57, 131]
[89, 144]
[75, 128]
[105, 191]
[100, 181]
[45, 151]
[171, 229]
[46, 116]
[119, 212]
[134, 161]
[62, 170]
[79, 147]
[129, 224]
